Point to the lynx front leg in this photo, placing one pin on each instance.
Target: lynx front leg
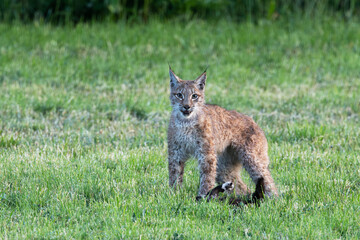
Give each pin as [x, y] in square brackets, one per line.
[176, 162]
[176, 173]
[207, 165]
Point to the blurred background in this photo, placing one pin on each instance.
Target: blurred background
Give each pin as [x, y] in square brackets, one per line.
[60, 11]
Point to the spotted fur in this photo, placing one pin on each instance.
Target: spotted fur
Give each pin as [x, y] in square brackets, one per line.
[222, 141]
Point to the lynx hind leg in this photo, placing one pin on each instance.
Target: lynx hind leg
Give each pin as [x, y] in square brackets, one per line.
[259, 190]
[257, 167]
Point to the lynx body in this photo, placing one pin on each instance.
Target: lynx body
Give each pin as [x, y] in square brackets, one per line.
[222, 141]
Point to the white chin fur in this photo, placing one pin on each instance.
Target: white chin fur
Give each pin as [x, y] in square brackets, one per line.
[186, 116]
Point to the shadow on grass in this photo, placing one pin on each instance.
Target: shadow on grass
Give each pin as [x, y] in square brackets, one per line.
[6, 142]
[48, 106]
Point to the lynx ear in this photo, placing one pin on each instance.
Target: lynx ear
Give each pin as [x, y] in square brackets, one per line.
[174, 80]
[200, 81]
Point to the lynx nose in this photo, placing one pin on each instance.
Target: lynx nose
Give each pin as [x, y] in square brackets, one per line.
[187, 107]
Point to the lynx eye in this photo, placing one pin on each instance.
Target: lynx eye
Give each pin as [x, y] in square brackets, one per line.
[195, 96]
[179, 95]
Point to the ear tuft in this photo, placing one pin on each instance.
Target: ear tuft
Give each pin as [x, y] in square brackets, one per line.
[201, 80]
[173, 78]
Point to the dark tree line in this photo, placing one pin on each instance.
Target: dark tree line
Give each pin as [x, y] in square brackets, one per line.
[59, 11]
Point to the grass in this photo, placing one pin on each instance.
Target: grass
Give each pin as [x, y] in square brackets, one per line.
[84, 113]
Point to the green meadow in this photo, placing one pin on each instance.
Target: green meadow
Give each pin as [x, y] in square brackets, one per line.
[83, 122]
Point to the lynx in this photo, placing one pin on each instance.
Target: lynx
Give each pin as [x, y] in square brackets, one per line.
[222, 141]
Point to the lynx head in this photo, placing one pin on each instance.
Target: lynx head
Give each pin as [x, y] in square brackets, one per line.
[187, 97]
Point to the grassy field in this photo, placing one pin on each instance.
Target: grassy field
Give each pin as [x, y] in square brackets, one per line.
[84, 113]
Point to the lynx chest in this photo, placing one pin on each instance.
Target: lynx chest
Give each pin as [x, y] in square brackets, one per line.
[187, 138]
